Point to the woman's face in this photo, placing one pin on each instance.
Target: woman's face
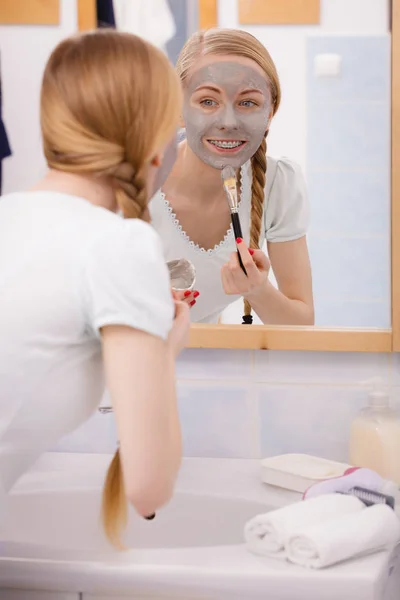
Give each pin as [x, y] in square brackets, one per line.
[226, 110]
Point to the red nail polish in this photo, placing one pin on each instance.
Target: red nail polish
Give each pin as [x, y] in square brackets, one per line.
[239, 240]
[187, 293]
[193, 302]
[251, 251]
[196, 294]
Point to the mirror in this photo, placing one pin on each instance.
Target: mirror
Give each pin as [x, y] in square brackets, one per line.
[332, 127]
[336, 121]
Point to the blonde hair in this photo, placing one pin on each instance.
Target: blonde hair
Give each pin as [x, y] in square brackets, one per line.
[109, 102]
[238, 43]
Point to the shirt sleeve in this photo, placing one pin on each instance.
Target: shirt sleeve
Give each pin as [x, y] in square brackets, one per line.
[127, 281]
[287, 211]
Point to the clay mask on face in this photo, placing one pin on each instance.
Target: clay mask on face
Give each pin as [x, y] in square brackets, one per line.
[227, 127]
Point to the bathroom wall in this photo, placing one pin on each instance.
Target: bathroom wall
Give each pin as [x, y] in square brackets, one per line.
[348, 177]
[249, 404]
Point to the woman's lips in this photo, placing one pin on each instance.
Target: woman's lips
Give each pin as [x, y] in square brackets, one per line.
[225, 146]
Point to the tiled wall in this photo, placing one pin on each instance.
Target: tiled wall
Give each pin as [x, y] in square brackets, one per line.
[248, 404]
[348, 176]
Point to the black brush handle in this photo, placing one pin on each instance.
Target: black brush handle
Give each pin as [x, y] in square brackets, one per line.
[237, 230]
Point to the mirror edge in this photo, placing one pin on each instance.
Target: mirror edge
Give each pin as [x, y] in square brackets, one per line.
[395, 175]
[264, 337]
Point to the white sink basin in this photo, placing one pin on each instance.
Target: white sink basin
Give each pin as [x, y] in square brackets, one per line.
[70, 520]
[192, 550]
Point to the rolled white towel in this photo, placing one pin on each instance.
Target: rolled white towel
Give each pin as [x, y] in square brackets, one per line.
[347, 536]
[266, 534]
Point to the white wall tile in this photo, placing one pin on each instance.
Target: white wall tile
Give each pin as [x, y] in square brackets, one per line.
[35, 595]
[218, 421]
[304, 419]
[283, 366]
[98, 435]
[112, 597]
[300, 402]
[134, 597]
[215, 364]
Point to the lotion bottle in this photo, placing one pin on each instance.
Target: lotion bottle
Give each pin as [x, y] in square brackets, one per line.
[375, 435]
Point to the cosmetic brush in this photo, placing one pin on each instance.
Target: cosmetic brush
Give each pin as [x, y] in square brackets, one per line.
[230, 186]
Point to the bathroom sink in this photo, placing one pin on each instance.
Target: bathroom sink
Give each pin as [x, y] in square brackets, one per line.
[192, 550]
[70, 519]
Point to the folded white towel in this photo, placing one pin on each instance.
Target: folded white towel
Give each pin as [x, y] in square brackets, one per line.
[345, 537]
[266, 534]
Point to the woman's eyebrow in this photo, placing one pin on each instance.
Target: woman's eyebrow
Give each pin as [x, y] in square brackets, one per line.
[207, 87]
[251, 91]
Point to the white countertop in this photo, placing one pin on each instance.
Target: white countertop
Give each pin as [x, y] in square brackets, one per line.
[362, 578]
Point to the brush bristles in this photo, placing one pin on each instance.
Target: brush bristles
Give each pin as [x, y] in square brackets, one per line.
[230, 183]
[229, 180]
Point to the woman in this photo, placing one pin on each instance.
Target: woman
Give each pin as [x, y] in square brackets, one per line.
[231, 92]
[84, 291]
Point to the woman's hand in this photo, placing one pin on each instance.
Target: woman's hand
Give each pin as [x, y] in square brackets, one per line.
[189, 297]
[257, 266]
[178, 337]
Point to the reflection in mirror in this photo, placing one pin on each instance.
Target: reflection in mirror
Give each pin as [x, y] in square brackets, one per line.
[314, 202]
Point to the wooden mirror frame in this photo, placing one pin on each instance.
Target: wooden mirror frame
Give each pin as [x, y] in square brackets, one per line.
[265, 337]
[316, 338]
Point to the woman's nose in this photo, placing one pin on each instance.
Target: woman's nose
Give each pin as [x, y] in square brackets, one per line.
[227, 119]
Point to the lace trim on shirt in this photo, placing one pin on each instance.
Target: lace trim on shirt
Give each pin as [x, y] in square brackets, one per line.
[228, 235]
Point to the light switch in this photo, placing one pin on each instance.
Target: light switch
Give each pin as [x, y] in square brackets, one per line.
[327, 65]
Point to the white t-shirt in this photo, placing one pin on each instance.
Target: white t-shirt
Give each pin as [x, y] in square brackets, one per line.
[286, 217]
[67, 268]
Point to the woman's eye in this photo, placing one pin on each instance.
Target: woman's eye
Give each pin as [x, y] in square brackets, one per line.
[208, 102]
[248, 103]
